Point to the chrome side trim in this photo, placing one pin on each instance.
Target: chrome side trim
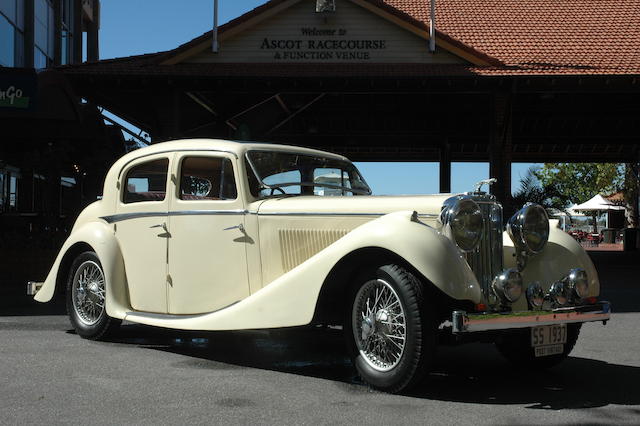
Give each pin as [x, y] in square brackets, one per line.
[208, 212]
[330, 214]
[126, 216]
[469, 323]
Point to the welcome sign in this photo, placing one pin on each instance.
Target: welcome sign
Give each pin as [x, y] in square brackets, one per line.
[351, 34]
[314, 45]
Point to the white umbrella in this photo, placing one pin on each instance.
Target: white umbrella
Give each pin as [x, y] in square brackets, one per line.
[597, 203]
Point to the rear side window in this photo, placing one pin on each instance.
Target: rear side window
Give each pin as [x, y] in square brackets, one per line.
[207, 178]
[146, 182]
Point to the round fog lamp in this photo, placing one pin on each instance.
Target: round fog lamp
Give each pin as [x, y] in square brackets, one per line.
[535, 295]
[508, 285]
[558, 293]
[579, 282]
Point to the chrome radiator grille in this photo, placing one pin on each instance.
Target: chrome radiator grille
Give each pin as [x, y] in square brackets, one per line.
[486, 260]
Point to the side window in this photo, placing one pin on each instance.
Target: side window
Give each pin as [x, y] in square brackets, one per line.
[207, 178]
[146, 182]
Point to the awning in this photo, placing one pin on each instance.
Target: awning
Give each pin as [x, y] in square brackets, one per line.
[597, 203]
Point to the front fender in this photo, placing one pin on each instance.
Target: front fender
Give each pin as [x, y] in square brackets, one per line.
[427, 250]
[561, 254]
[101, 239]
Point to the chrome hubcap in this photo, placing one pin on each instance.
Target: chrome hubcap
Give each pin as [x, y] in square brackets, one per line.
[88, 292]
[379, 325]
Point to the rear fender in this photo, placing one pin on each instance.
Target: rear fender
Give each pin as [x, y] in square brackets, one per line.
[100, 238]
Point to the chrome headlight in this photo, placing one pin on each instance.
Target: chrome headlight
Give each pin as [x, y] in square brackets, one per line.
[462, 222]
[535, 295]
[578, 282]
[529, 229]
[508, 286]
[559, 293]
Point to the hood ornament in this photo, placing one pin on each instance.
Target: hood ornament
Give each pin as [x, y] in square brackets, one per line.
[478, 186]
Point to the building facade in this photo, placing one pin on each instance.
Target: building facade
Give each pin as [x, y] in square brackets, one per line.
[50, 136]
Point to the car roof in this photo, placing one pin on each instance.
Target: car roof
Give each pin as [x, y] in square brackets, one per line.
[239, 148]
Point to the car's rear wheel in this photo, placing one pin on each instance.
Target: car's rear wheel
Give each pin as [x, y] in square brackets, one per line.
[86, 296]
[390, 328]
[516, 348]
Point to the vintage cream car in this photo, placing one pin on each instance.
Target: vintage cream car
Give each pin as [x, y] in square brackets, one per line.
[218, 235]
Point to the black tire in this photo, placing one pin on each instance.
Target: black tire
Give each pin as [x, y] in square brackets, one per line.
[415, 358]
[89, 328]
[516, 348]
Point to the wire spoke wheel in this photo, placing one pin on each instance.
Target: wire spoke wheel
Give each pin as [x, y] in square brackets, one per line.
[88, 292]
[379, 325]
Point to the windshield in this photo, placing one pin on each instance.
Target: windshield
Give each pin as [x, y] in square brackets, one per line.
[277, 173]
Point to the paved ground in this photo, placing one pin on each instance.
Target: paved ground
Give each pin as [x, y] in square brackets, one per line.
[300, 376]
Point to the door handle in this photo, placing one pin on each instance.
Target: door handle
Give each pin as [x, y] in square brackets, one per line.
[240, 227]
[160, 225]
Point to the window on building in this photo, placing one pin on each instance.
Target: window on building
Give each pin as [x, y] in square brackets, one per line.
[44, 34]
[2, 185]
[9, 189]
[207, 178]
[67, 31]
[13, 192]
[11, 33]
[146, 182]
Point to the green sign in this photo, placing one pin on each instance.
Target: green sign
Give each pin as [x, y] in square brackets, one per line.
[13, 97]
[18, 90]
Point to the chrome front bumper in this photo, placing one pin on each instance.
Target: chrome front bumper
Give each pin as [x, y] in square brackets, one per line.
[469, 323]
[33, 287]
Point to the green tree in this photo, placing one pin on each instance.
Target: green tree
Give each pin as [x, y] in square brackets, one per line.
[579, 182]
[631, 192]
[531, 190]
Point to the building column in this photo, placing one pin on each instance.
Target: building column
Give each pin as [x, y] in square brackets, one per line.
[29, 36]
[445, 168]
[57, 33]
[93, 50]
[500, 149]
[75, 57]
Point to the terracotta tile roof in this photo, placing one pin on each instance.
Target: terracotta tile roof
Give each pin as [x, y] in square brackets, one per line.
[551, 36]
[517, 37]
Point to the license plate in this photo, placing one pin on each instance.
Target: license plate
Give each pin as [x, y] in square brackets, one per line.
[548, 335]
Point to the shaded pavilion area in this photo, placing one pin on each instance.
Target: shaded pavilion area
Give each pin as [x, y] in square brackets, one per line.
[510, 81]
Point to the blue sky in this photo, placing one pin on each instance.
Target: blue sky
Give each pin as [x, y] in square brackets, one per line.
[133, 27]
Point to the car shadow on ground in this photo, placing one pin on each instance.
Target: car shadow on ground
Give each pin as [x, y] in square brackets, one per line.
[473, 373]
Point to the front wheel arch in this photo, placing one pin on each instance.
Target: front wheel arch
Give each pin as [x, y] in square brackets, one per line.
[337, 285]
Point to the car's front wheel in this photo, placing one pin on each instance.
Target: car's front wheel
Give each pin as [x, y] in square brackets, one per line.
[86, 296]
[390, 328]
